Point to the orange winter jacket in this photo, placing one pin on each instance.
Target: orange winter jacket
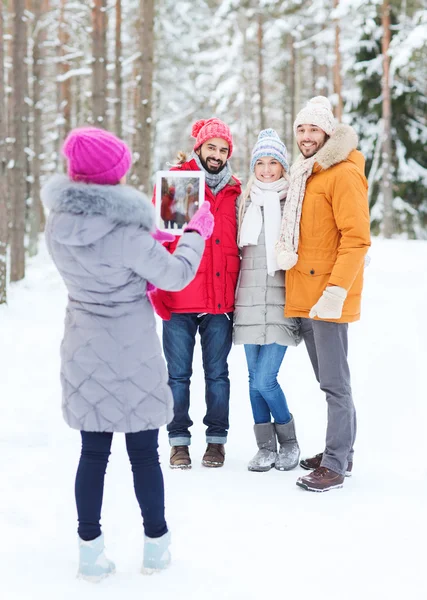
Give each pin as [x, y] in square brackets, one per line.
[334, 229]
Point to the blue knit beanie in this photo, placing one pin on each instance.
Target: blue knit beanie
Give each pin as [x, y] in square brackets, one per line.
[269, 144]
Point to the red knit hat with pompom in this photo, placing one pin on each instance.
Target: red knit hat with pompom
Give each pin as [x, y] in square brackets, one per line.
[205, 130]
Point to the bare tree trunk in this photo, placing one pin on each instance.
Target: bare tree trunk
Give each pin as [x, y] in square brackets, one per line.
[292, 95]
[314, 69]
[260, 39]
[118, 80]
[99, 62]
[322, 86]
[286, 133]
[64, 82]
[26, 77]
[19, 171]
[34, 207]
[3, 174]
[245, 119]
[145, 104]
[40, 8]
[386, 182]
[337, 69]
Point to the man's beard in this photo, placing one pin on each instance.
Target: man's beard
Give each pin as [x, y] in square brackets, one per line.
[209, 169]
[311, 153]
[317, 148]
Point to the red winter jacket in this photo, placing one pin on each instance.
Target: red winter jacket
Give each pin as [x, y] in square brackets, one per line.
[212, 290]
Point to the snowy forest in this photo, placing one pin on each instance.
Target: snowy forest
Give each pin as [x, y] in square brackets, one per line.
[148, 69]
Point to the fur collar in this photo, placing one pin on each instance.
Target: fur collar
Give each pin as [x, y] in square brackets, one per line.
[337, 148]
[117, 203]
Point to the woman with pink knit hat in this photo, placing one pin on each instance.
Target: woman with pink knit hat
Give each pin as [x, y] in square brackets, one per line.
[100, 234]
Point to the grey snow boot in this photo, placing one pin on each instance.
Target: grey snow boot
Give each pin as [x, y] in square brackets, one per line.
[266, 456]
[288, 455]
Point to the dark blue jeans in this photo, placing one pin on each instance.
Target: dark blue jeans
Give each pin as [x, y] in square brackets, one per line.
[179, 337]
[147, 479]
[266, 395]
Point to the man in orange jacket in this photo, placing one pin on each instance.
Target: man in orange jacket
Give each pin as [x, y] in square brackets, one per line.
[324, 239]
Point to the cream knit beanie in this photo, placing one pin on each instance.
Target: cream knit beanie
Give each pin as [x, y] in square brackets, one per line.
[317, 111]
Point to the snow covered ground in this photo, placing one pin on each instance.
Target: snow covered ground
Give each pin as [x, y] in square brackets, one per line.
[236, 535]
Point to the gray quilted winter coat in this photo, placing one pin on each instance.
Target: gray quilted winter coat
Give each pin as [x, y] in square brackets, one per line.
[113, 375]
[260, 299]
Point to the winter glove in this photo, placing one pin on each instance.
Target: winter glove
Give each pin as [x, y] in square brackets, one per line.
[202, 221]
[155, 297]
[162, 236]
[330, 303]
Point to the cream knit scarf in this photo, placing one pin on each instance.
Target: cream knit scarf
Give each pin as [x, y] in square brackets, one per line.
[287, 246]
[268, 196]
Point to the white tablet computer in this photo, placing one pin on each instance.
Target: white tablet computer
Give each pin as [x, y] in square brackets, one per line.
[178, 195]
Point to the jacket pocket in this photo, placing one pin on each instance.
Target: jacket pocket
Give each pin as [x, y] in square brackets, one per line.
[306, 282]
[315, 267]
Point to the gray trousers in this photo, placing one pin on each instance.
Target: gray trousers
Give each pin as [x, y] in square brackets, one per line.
[327, 345]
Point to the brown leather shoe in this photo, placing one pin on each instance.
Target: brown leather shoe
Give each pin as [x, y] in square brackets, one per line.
[214, 455]
[315, 461]
[180, 458]
[321, 480]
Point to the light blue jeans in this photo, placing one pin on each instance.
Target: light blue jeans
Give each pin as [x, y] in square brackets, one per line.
[266, 395]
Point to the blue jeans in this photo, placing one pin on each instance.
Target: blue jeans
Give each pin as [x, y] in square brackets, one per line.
[179, 337]
[266, 395]
[147, 479]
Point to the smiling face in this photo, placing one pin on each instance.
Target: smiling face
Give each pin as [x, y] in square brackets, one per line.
[268, 169]
[213, 154]
[310, 139]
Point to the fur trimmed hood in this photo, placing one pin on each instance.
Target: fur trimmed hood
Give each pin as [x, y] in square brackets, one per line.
[119, 204]
[81, 213]
[337, 149]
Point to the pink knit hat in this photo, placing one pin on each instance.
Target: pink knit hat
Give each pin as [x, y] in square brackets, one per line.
[96, 156]
[212, 128]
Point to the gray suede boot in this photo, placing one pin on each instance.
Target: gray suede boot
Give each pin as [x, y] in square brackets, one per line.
[266, 456]
[288, 455]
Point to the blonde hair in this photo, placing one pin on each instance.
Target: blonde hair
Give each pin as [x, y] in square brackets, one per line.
[181, 157]
[242, 200]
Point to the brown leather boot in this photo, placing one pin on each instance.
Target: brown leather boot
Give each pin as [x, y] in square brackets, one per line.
[315, 461]
[214, 455]
[321, 480]
[180, 458]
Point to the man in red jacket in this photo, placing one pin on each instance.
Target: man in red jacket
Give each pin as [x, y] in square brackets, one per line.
[206, 305]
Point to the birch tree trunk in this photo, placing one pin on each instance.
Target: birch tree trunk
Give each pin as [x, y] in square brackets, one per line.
[19, 171]
[337, 69]
[3, 175]
[386, 181]
[118, 80]
[99, 62]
